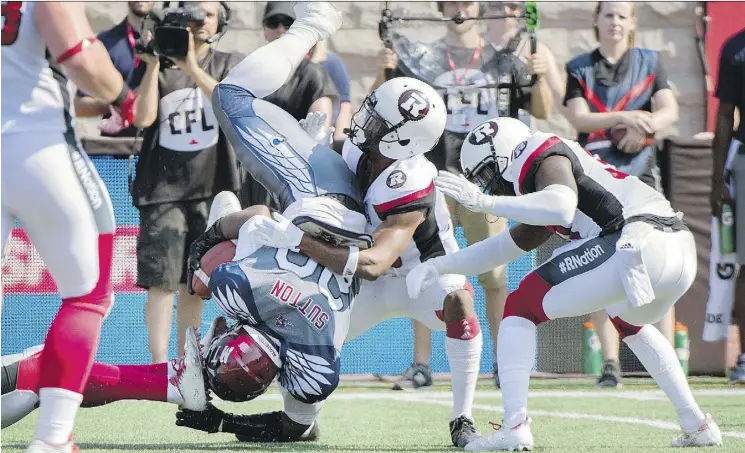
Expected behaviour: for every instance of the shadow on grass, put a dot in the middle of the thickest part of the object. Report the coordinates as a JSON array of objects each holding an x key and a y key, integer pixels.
[{"x": 233, "y": 446}]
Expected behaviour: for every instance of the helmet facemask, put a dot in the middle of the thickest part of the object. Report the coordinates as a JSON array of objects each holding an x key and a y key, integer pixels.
[
  {"x": 369, "y": 127},
  {"x": 488, "y": 175}
]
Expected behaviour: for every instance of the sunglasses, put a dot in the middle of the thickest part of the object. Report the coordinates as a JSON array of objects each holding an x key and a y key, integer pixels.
[{"x": 275, "y": 21}]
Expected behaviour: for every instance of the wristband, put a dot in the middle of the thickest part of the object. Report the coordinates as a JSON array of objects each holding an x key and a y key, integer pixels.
[
  {"x": 351, "y": 267},
  {"x": 124, "y": 95},
  {"x": 76, "y": 49}
]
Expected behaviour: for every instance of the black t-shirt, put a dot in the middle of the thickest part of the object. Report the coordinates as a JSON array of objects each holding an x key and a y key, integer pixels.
[
  {"x": 612, "y": 74},
  {"x": 309, "y": 83},
  {"x": 731, "y": 80},
  {"x": 458, "y": 73},
  {"x": 184, "y": 154}
]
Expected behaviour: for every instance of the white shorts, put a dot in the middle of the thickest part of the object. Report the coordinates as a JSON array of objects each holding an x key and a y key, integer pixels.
[
  {"x": 51, "y": 187},
  {"x": 388, "y": 298},
  {"x": 585, "y": 276}
]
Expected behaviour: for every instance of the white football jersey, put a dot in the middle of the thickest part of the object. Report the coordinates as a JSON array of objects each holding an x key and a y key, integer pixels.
[
  {"x": 406, "y": 185},
  {"x": 606, "y": 196},
  {"x": 34, "y": 97}
]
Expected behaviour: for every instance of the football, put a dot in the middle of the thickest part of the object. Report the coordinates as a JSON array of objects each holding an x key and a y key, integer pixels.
[
  {"x": 221, "y": 253},
  {"x": 619, "y": 132}
]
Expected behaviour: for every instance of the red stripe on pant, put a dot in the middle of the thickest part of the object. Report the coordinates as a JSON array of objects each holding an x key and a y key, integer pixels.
[
  {"x": 527, "y": 301},
  {"x": 106, "y": 383},
  {"x": 72, "y": 340}
]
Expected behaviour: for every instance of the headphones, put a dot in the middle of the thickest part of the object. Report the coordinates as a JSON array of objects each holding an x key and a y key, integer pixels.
[
  {"x": 223, "y": 16},
  {"x": 482, "y": 8}
]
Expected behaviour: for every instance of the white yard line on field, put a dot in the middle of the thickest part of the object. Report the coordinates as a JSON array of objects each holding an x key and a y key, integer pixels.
[{"x": 443, "y": 399}]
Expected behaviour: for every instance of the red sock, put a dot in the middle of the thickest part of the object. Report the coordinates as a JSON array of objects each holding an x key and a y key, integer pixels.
[
  {"x": 463, "y": 329},
  {"x": 109, "y": 383},
  {"x": 155, "y": 368},
  {"x": 72, "y": 341}
]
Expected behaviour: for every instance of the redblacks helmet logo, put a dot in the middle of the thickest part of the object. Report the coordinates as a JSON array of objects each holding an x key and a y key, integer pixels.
[{"x": 413, "y": 105}]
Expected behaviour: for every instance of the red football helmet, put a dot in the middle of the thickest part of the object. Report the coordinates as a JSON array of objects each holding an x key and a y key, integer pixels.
[{"x": 241, "y": 363}]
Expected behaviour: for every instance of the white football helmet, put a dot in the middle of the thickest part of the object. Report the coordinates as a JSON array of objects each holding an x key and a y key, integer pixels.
[
  {"x": 486, "y": 154},
  {"x": 405, "y": 116}
]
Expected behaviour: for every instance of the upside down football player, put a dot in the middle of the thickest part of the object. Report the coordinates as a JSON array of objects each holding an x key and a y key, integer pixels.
[
  {"x": 398, "y": 122},
  {"x": 628, "y": 253}
]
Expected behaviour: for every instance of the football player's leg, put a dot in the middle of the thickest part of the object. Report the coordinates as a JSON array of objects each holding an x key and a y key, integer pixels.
[
  {"x": 19, "y": 398},
  {"x": 267, "y": 140},
  {"x": 671, "y": 262},
  {"x": 69, "y": 218},
  {"x": 370, "y": 308},
  {"x": 449, "y": 305}
]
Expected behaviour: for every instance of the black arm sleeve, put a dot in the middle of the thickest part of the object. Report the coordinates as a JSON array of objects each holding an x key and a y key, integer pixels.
[
  {"x": 573, "y": 88},
  {"x": 265, "y": 427}
]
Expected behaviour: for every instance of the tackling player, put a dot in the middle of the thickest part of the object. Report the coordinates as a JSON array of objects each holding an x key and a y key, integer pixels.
[
  {"x": 50, "y": 186},
  {"x": 626, "y": 244},
  {"x": 398, "y": 122}
]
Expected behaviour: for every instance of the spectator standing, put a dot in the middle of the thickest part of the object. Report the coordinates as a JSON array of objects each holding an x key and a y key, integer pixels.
[
  {"x": 466, "y": 62},
  {"x": 620, "y": 87},
  {"x": 729, "y": 139},
  {"x": 120, "y": 43},
  {"x": 185, "y": 161},
  {"x": 309, "y": 89}
]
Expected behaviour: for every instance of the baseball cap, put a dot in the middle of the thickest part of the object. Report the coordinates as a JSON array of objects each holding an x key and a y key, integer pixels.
[{"x": 276, "y": 8}]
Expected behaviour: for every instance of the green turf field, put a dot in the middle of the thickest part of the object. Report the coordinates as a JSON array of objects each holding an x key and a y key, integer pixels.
[{"x": 568, "y": 416}]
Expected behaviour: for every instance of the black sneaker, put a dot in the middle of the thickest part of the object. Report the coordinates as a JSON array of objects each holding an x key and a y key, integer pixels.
[
  {"x": 416, "y": 376},
  {"x": 463, "y": 431},
  {"x": 738, "y": 373},
  {"x": 496, "y": 375},
  {"x": 611, "y": 376}
]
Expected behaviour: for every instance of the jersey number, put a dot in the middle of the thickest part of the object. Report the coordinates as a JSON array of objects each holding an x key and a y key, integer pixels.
[
  {"x": 338, "y": 292},
  {"x": 11, "y": 22}
]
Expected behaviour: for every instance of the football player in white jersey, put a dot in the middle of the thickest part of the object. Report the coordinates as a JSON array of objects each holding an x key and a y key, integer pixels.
[
  {"x": 400, "y": 121},
  {"x": 628, "y": 253},
  {"x": 50, "y": 186}
]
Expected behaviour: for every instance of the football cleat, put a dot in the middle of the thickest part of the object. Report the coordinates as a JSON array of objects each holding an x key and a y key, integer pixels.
[
  {"x": 706, "y": 435},
  {"x": 38, "y": 446},
  {"x": 462, "y": 431},
  {"x": 319, "y": 16},
  {"x": 519, "y": 438},
  {"x": 189, "y": 377},
  {"x": 738, "y": 373}
]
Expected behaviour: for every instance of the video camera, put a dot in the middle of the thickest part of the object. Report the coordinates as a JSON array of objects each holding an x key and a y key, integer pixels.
[{"x": 170, "y": 33}]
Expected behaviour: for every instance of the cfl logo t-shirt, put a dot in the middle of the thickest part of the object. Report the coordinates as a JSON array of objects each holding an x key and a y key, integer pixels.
[{"x": 187, "y": 120}]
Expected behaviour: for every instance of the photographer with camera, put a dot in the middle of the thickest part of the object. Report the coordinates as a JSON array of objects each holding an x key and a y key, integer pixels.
[{"x": 185, "y": 159}]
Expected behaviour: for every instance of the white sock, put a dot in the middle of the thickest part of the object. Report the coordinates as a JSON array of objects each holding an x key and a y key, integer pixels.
[
  {"x": 464, "y": 357},
  {"x": 173, "y": 394},
  {"x": 57, "y": 411},
  {"x": 515, "y": 359},
  {"x": 265, "y": 70},
  {"x": 659, "y": 358}
]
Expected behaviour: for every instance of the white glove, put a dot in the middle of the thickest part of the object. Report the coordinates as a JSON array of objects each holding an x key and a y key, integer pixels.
[
  {"x": 463, "y": 191},
  {"x": 277, "y": 232},
  {"x": 421, "y": 277},
  {"x": 315, "y": 126}
]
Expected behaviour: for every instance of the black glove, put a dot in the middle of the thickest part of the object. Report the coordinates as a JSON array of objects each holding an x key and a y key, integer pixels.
[
  {"x": 208, "y": 420},
  {"x": 199, "y": 247}
]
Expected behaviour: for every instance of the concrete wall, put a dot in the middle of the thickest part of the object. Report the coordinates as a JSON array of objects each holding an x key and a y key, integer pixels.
[{"x": 565, "y": 28}]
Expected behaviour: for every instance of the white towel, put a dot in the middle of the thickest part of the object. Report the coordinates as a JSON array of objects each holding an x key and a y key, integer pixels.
[
  {"x": 723, "y": 271},
  {"x": 632, "y": 270}
]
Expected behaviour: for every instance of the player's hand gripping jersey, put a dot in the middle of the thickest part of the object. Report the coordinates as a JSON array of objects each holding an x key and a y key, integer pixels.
[
  {"x": 607, "y": 198},
  {"x": 405, "y": 186}
]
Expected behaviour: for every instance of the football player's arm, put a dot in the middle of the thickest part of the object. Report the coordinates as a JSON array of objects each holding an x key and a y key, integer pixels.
[
  {"x": 665, "y": 110},
  {"x": 70, "y": 40},
  {"x": 391, "y": 238},
  {"x": 265, "y": 427},
  {"x": 87, "y": 106},
  {"x": 492, "y": 252}
]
